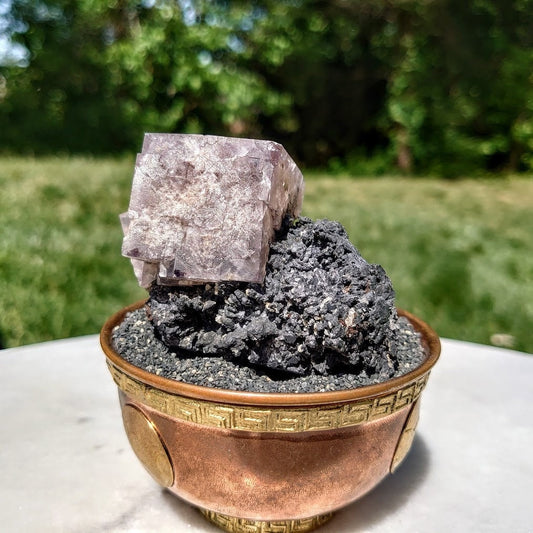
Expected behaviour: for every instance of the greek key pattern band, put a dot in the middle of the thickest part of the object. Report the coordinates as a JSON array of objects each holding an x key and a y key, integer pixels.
[
  {"x": 268, "y": 419},
  {"x": 240, "y": 525}
]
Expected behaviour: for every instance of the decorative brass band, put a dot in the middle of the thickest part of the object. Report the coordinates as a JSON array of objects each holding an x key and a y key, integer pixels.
[
  {"x": 269, "y": 419},
  {"x": 242, "y": 525}
]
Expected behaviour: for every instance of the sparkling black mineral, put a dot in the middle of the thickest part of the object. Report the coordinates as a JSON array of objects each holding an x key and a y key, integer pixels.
[{"x": 321, "y": 310}]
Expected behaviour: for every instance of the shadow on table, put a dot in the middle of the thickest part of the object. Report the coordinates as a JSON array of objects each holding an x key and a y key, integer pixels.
[{"x": 387, "y": 497}]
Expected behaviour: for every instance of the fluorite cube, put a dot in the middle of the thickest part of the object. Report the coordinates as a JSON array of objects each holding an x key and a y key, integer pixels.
[{"x": 205, "y": 208}]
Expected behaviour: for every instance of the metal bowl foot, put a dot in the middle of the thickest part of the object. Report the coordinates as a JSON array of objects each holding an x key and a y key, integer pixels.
[{"x": 243, "y": 525}]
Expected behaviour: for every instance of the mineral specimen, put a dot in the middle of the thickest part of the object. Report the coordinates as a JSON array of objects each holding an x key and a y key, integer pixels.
[
  {"x": 322, "y": 309},
  {"x": 205, "y": 208}
]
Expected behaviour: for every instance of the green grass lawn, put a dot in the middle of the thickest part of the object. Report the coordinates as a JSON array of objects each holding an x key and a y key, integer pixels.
[{"x": 459, "y": 253}]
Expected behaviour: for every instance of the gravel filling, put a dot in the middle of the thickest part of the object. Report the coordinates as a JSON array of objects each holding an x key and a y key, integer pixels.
[
  {"x": 135, "y": 340},
  {"x": 324, "y": 319}
]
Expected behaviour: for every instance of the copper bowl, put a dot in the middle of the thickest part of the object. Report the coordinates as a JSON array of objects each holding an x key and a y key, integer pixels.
[{"x": 268, "y": 462}]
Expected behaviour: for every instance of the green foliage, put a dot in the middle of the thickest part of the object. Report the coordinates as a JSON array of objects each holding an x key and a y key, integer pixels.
[
  {"x": 63, "y": 99},
  {"x": 102, "y": 74},
  {"x": 442, "y": 87},
  {"x": 189, "y": 75},
  {"x": 460, "y": 94},
  {"x": 459, "y": 254}
]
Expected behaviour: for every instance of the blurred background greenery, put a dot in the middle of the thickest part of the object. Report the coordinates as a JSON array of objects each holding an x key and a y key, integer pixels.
[
  {"x": 413, "y": 120},
  {"x": 439, "y": 86}
]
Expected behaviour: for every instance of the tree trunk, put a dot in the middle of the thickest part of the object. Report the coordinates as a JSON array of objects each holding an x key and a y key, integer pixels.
[{"x": 404, "y": 156}]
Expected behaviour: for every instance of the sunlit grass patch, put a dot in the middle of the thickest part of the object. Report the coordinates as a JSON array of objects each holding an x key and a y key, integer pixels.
[
  {"x": 60, "y": 266},
  {"x": 459, "y": 253}
]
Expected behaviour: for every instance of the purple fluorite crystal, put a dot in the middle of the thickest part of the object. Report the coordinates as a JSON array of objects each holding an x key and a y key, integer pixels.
[{"x": 205, "y": 208}]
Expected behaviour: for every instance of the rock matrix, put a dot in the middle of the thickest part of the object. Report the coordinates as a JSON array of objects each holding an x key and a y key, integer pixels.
[{"x": 322, "y": 309}]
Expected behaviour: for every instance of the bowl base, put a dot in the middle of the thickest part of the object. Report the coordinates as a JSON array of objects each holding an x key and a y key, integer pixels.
[{"x": 243, "y": 525}]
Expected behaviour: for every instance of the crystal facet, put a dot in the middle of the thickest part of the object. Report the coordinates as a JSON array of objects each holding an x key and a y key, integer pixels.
[{"x": 205, "y": 208}]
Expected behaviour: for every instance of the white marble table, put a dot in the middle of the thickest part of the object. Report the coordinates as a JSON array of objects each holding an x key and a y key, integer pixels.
[{"x": 66, "y": 465}]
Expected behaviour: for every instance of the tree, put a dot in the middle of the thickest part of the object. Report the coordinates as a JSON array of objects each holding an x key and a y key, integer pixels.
[
  {"x": 99, "y": 76},
  {"x": 439, "y": 86},
  {"x": 459, "y": 96},
  {"x": 60, "y": 101}
]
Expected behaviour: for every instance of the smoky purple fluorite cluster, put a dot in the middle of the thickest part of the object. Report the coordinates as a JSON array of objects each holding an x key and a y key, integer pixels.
[
  {"x": 238, "y": 281},
  {"x": 205, "y": 208}
]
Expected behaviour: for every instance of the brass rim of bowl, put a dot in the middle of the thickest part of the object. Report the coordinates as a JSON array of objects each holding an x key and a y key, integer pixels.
[{"x": 416, "y": 376}]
